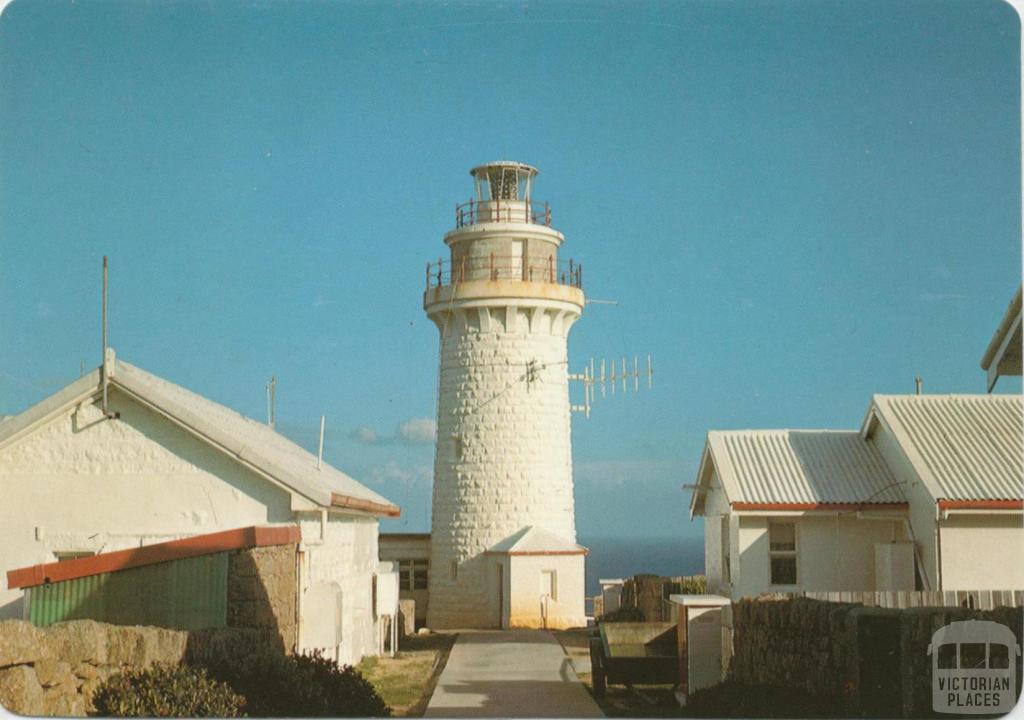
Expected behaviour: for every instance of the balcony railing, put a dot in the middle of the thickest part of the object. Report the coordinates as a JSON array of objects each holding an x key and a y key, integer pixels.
[
  {"x": 484, "y": 211},
  {"x": 504, "y": 267}
]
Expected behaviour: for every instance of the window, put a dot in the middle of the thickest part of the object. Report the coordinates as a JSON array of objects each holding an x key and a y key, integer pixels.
[
  {"x": 998, "y": 656},
  {"x": 62, "y": 555},
  {"x": 782, "y": 553},
  {"x": 453, "y": 570},
  {"x": 972, "y": 656},
  {"x": 456, "y": 448},
  {"x": 412, "y": 574},
  {"x": 549, "y": 584},
  {"x": 947, "y": 657}
]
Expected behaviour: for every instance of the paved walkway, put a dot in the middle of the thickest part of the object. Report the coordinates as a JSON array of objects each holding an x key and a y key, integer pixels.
[{"x": 510, "y": 673}]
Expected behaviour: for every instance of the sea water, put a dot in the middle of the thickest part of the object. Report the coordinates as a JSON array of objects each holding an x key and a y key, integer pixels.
[{"x": 624, "y": 557}]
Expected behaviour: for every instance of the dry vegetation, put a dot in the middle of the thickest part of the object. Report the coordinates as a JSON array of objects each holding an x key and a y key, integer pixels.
[{"x": 407, "y": 681}]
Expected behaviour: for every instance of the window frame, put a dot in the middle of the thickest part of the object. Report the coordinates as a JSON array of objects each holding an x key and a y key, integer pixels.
[{"x": 794, "y": 554}]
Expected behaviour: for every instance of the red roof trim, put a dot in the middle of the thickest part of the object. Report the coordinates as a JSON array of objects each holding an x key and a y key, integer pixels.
[
  {"x": 208, "y": 544},
  {"x": 981, "y": 504},
  {"x": 819, "y": 506},
  {"x": 376, "y": 508},
  {"x": 581, "y": 551}
]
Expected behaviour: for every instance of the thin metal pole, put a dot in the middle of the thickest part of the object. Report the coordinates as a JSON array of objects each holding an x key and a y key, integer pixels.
[
  {"x": 320, "y": 452},
  {"x": 103, "y": 357}
]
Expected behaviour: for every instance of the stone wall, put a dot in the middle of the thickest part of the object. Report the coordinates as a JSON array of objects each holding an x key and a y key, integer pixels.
[
  {"x": 874, "y": 661},
  {"x": 262, "y": 586},
  {"x": 56, "y": 670},
  {"x": 805, "y": 644}
]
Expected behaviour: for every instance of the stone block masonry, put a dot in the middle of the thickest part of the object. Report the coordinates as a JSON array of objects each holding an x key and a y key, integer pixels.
[
  {"x": 262, "y": 587},
  {"x": 875, "y": 660},
  {"x": 504, "y": 457},
  {"x": 56, "y": 670}
]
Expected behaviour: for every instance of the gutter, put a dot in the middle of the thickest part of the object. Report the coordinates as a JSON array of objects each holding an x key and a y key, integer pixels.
[{"x": 351, "y": 503}]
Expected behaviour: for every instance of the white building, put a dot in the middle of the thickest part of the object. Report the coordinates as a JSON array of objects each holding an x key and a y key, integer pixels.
[
  {"x": 928, "y": 495},
  {"x": 504, "y": 304},
  {"x": 411, "y": 554},
  {"x": 164, "y": 463}
]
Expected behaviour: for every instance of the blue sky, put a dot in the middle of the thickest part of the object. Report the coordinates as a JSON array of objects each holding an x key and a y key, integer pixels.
[{"x": 796, "y": 204}]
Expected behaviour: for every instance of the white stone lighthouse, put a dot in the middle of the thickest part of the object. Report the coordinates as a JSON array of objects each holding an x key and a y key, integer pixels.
[{"x": 503, "y": 549}]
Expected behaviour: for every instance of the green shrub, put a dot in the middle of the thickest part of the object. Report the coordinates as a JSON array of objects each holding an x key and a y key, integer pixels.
[
  {"x": 166, "y": 691},
  {"x": 301, "y": 686},
  {"x": 693, "y": 585}
]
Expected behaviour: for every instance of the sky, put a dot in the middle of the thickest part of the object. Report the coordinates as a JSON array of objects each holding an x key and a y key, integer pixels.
[{"x": 795, "y": 204}]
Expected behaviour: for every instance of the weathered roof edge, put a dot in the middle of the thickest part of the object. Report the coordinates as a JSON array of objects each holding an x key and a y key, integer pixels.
[
  {"x": 88, "y": 387},
  {"x": 999, "y": 338},
  {"x": 20, "y": 425}
]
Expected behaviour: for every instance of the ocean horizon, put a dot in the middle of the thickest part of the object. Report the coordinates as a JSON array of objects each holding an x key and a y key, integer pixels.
[{"x": 624, "y": 557}]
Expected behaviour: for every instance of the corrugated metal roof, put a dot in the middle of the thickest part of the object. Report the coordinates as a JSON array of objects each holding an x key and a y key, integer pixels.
[
  {"x": 964, "y": 447},
  {"x": 801, "y": 466},
  {"x": 260, "y": 444},
  {"x": 253, "y": 442}
]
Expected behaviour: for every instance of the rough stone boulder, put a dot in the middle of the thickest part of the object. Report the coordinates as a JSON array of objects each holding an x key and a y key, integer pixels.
[
  {"x": 76, "y": 641},
  {"x": 21, "y": 643},
  {"x": 20, "y": 691},
  {"x": 143, "y": 646},
  {"x": 50, "y": 672}
]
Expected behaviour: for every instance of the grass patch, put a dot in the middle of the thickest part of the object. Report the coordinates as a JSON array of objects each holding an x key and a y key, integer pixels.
[{"x": 407, "y": 681}]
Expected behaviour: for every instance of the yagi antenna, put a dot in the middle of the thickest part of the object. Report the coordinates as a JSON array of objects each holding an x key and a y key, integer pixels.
[{"x": 613, "y": 374}]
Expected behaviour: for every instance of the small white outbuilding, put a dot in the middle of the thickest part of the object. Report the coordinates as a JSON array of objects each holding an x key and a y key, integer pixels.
[{"x": 164, "y": 463}]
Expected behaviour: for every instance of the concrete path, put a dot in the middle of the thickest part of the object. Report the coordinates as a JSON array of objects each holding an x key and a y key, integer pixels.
[{"x": 510, "y": 673}]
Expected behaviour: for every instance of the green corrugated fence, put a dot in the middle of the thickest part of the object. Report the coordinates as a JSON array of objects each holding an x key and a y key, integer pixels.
[{"x": 186, "y": 594}]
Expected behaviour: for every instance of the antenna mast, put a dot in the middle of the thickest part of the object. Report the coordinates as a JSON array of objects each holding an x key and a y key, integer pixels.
[
  {"x": 103, "y": 356},
  {"x": 272, "y": 401},
  {"x": 320, "y": 452}
]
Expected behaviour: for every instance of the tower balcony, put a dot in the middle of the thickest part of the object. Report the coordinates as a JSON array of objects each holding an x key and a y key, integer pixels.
[
  {"x": 504, "y": 267},
  {"x": 476, "y": 212}
]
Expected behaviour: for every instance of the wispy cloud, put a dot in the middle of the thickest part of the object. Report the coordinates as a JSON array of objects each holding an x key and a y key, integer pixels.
[
  {"x": 417, "y": 431},
  {"x": 414, "y": 431},
  {"x": 394, "y": 473},
  {"x": 621, "y": 472}
]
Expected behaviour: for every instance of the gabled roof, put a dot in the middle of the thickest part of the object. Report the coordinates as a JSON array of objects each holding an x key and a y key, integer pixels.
[
  {"x": 249, "y": 442},
  {"x": 963, "y": 447},
  {"x": 534, "y": 540},
  {"x": 795, "y": 469}
]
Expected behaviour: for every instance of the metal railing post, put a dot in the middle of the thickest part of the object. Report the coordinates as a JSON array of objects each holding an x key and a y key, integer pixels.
[
  {"x": 428, "y": 276},
  {"x": 440, "y": 265}
]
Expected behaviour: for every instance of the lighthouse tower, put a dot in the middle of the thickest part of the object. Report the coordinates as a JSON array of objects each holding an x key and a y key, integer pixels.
[{"x": 503, "y": 549}]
